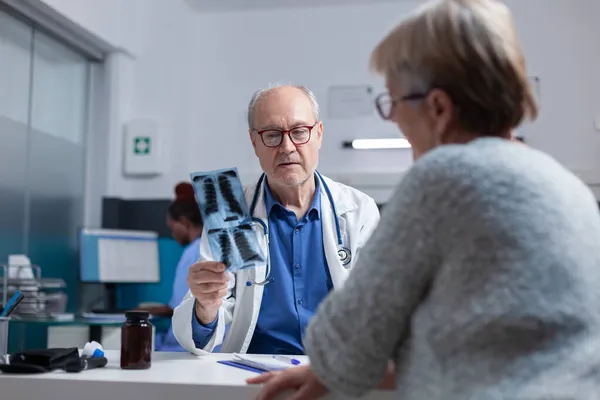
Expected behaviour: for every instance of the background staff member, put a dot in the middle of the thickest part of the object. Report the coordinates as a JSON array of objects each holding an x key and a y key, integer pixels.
[{"x": 185, "y": 222}]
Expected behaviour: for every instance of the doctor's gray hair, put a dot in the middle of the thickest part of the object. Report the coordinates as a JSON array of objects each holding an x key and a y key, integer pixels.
[{"x": 259, "y": 94}]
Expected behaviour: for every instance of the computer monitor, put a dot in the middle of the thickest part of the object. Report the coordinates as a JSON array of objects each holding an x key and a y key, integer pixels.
[{"x": 118, "y": 256}]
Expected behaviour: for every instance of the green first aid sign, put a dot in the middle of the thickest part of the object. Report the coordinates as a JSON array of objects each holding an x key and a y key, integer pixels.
[{"x": 141, "y": 145}]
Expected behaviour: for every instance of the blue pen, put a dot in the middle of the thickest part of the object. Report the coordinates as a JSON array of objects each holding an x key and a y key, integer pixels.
[
  {"x": 12, "y": 304},
  {"x": 287, "y": 360}
]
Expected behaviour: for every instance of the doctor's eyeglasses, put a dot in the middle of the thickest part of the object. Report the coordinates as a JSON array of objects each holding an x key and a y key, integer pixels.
[
  {"x": 298, "y": 135},
  {"x": 385, "y": 104}
]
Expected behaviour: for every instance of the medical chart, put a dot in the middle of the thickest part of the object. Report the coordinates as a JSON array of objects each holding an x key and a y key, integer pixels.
[{"x": 227, "y": 221}]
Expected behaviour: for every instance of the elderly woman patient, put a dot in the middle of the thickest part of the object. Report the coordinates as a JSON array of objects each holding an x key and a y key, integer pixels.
[{"x": 482, "y": 279}]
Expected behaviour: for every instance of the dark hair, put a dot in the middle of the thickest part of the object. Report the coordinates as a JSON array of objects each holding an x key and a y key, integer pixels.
[{"x": 184, "y": 205}]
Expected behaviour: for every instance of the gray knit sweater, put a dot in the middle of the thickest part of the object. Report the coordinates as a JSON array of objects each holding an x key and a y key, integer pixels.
[{"x": 482, "y": 281}]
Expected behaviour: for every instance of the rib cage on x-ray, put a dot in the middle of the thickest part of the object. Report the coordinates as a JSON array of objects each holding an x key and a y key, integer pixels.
[
  {"x": 226, "y": 248},
  {"x": 243, "y": 245},
  {"x": 210, "y": 197},
  {"x": 227, "y": 192},
  {"x": 226, "y": 218}
]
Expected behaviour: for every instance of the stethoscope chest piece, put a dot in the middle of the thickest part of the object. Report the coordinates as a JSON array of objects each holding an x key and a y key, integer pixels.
[{"x": 345, "y": 256}]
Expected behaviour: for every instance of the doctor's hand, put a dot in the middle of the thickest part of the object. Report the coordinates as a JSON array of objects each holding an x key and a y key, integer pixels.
[
  {"x": 301, "y": 379},
  {"x": 207, "y": 281}
]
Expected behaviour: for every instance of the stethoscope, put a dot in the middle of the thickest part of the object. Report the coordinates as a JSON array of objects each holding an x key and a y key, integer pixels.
[{"x": 343, "y": 252}]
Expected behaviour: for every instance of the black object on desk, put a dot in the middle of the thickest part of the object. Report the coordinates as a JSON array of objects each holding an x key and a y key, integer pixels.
[
  {"x": 40, "y": 361},
  {"x": 46, "y": 360},
  {"x": 86, "y": 363}
]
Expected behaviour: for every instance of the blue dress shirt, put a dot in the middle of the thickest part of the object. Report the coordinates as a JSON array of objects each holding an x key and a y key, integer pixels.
[
  {"x": 165, "y": 341},
  {"x": 299, "y": 281}
]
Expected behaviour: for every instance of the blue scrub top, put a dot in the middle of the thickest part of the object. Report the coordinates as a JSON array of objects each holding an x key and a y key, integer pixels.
[{"x": 166, "y": 341}]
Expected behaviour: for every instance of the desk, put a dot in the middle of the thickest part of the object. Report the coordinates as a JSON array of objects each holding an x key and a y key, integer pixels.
[{"x": 173, "y": 376}]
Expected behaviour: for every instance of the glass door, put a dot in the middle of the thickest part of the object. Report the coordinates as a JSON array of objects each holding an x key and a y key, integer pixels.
[
  {"x": 43, "y": 118},
  {"x": 16, "y": 40},
  {"x": 56, "y": 168}
]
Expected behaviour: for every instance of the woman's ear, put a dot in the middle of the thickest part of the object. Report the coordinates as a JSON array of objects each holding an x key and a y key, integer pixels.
[{"x": 440, "y": 110}]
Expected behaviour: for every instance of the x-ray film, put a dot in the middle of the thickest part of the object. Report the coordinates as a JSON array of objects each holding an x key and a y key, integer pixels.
[
  {"x": 234, "y": 247},
  {"x": 226, "y": 218}
]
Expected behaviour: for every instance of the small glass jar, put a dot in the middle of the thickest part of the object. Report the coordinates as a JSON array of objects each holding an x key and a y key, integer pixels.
[{"x": 136, "y": 341}]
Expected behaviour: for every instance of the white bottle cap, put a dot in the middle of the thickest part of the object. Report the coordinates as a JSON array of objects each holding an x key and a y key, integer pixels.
[{"x": 92, "y": 349}]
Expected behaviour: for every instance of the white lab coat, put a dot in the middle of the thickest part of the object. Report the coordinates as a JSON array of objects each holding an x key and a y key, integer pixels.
[{"x": 358, "y": 215}]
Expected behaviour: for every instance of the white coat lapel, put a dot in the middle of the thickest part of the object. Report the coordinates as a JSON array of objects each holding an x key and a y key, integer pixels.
[
  {"x": 248, "y": 298},
  {"x": 258, "y": 274},
  {"x": 330, "y": 245}
]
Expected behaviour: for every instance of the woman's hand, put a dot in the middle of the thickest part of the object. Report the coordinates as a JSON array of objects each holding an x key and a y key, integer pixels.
[
  {"x": 306, "y": 384},
  {"x": 301, "y": 379}
]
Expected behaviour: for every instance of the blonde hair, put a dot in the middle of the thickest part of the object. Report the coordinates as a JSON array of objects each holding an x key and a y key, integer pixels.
[{"x": 469, "y": 49}]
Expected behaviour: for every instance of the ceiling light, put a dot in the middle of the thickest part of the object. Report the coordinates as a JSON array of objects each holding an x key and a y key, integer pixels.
[{"x": 370, "y": 144}]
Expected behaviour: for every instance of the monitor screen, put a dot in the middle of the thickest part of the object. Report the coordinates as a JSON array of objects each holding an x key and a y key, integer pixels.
[{"x": 118, "y": 256}]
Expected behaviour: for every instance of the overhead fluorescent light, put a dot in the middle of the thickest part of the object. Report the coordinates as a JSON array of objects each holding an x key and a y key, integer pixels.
[{"x": 370, "y": 144}]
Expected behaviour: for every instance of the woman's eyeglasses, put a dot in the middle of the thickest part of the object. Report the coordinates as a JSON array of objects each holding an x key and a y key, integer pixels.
[{"x": 385, "y": 104}]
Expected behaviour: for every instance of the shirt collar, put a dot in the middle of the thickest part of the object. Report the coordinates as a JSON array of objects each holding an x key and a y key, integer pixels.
[{"x": 314, "y": 210}]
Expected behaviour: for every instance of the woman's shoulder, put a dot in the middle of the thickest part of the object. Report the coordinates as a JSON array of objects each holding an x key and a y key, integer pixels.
[
  {"x": 445, "y": 164},
  {"x": 484, "y": 167},
  {"x": 493, "y": 168},
  {"x": 475, "y": 152},
  {"x": 483, "y": 159}
]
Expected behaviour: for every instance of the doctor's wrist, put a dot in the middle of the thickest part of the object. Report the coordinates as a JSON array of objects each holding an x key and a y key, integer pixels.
[{"x": 203, "y": 316}]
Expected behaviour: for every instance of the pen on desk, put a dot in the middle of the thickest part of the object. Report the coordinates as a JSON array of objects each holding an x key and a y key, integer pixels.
[
  {"x": 287, "y": 360},
  {"x": 12, "y": 304}
]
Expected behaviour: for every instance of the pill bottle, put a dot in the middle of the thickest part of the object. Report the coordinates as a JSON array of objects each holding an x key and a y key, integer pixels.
[{"x": 136, "y": 341}]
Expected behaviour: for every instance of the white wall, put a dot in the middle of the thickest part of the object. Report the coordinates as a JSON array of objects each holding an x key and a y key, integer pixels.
[
  {"x": 119, "y": 22},
  {"x": 194, "y": 73},
  {"x": 206, "y": 71},
  {"x": 559, "y": 37},
  {"x": 318, "y": 48}
]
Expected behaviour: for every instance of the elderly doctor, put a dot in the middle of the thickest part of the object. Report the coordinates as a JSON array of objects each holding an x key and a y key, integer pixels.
[{"x": 316, "y": 228}]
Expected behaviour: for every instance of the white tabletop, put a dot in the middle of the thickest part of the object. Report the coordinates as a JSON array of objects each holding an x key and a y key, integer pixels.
[{"x": 173, "y": 376}]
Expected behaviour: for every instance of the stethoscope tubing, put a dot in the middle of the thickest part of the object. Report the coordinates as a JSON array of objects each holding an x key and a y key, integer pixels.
[{"x": 255, "y": 197}]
